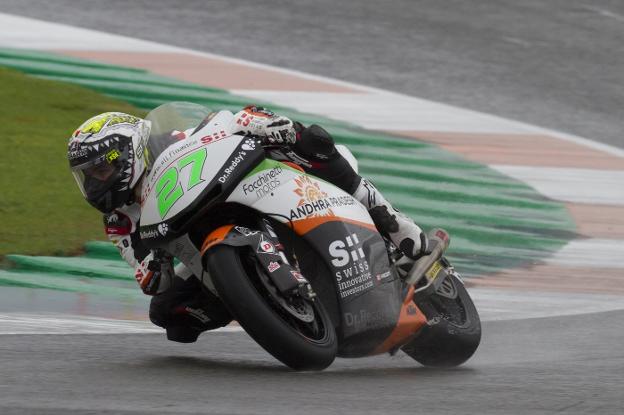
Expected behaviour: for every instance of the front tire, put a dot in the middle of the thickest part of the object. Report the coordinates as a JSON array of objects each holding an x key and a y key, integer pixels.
[
  {"x": 454, "y": 332},
  {"x": 234, "y": 274}
]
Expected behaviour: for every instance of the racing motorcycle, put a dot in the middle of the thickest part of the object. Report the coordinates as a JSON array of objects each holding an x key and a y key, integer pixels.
[{"x": 297, "y": 261}]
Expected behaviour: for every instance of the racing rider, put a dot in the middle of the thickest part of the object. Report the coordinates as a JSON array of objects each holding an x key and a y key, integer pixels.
[{"x": 108, "y": 162}]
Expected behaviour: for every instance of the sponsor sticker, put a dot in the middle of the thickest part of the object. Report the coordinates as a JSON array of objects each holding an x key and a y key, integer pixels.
[
  {"x": 249, "y": 145},
  {"x": 264, "y": 183},
  {"x": 383, "y": 276},
  {"x": 112, "y": 155},
  {"x": 232, "y": 167},
  {"x": 366, "y": 319},
  {"x": 152, "y": 233},
  {"x": 353, "y": 272},
  {"x": 112, "y": 218},
  {"x": 297, "y": 275},
  {"x": 433, "y": 272},
  {"x": 216, "y": 136},
  {"x": 265, "y": 247},
  {"x": 345, "y": 251},
  {"x": 312, "y": 199},
  {"x": 442, "y": 235},
  {"x": 273, "y": 266},
  {"x": 314, "y": 202},
  {"x": 163, "y": 228},
  {"x": 245, "y": 231},
  {"x": 76, "y": 151}
]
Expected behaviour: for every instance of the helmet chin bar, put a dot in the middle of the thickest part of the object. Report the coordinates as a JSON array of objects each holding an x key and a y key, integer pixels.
[
  {"x": 109, "y": 201},
  {"x": 113, "y": 196},
  {"x": 113, "y": 192}
]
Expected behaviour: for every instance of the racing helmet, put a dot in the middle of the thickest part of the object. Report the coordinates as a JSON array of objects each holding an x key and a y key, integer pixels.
[{"x": 107, "y": 156}]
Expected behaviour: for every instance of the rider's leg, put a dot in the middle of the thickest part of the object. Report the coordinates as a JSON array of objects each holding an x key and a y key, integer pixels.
[
  {"x": 186, "y": 310},
  {"x": 317, "y": 146},
  {"x": 399, "y": 228}
]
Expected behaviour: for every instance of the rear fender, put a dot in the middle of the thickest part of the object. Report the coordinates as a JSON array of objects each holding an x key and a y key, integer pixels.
[{"x": 286, "y": 278}]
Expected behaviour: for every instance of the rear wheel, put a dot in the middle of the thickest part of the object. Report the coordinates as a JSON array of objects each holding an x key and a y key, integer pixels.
[
  {"x": 454, "y": 330},
  {"x": 295, "y": 330}
]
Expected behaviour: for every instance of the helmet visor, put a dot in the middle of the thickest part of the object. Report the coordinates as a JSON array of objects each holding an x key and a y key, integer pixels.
[{"x": 96, "y": 177}]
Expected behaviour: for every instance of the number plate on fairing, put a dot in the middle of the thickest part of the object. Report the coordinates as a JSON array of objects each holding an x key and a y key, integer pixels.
[{"x": 180, "y": 175}]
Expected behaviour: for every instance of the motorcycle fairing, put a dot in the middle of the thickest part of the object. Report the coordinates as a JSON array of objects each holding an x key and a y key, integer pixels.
[
  {"x": 184, "y": 183},
  {"x": 318, "y": 211},
  {"x": 367, "y": 291},
  {"x": 275, "y": 188}
]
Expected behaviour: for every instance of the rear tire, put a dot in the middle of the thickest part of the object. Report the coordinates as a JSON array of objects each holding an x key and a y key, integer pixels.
[
  {"x": 455, "y": 330},
  {"x": 289, "y": 340}
]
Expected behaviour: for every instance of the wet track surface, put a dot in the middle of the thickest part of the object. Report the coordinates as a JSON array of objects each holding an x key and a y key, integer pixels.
[
  {"x": 531, "y": 367},
  {"x": 557, "y": 65}
]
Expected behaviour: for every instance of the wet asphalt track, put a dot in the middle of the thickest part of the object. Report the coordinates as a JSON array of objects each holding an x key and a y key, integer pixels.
[
  {"x": 557, "y": 64},
  {"x": 537, "y": 366}
]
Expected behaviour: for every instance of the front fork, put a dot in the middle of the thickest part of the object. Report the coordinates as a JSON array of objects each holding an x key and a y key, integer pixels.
[
  {"x": 266, "y": 226},
  {"x": 269, "y": 253},
  {"x": 304, "y": 289}
]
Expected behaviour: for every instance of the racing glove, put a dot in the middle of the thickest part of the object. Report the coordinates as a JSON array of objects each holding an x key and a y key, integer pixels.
[
  {"x": 149, "y": 272},
  {"x": 265, "y": 124}
]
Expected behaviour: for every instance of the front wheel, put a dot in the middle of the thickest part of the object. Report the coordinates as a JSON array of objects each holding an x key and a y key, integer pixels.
[
  {"x": 453, "y": 332},
  {"x": 306, "y": 343}
]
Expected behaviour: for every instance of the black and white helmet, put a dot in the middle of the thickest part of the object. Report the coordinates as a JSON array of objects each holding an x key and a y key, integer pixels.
[{"x": 107, "y": 156}]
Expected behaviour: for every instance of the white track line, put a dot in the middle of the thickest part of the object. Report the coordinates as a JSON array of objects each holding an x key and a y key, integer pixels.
[
  {"x": 384, "y": 111},
  {"x": 493, "y": 305},
  {"x": 27, "y": 323},
  {"x": 594, "y": 253},
  {"x": 500, "y": 305},
  {"x": 571, "y": 184}
]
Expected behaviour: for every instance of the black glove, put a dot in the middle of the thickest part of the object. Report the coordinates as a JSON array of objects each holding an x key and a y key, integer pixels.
[{"x": 149, "y": 272}]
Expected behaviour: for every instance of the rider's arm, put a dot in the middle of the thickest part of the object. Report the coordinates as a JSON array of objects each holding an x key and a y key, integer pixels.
[
  {"x": 123, "y": 232},
  {"x": 119, "y": 228}
]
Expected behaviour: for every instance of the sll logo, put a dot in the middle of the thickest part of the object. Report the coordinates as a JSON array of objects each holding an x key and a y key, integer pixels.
[{"x": 344, "y": 252}]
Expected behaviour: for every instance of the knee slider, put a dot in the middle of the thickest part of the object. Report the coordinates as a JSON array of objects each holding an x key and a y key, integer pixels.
[
  {"x": 159, "y": 312},
  {"x": 182, "y": 334}
]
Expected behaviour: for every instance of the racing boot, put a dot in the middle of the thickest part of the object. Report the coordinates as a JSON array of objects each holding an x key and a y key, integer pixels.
[
  {"x": 394, "y": 225},
  {"x": 186, "y": 310}
]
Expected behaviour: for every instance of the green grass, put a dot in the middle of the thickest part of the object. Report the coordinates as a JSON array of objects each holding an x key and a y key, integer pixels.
[{"x": 41, "y": 209}]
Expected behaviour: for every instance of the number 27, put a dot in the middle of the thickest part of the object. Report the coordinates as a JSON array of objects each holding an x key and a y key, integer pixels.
[{"x": 169, "y": 189}]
